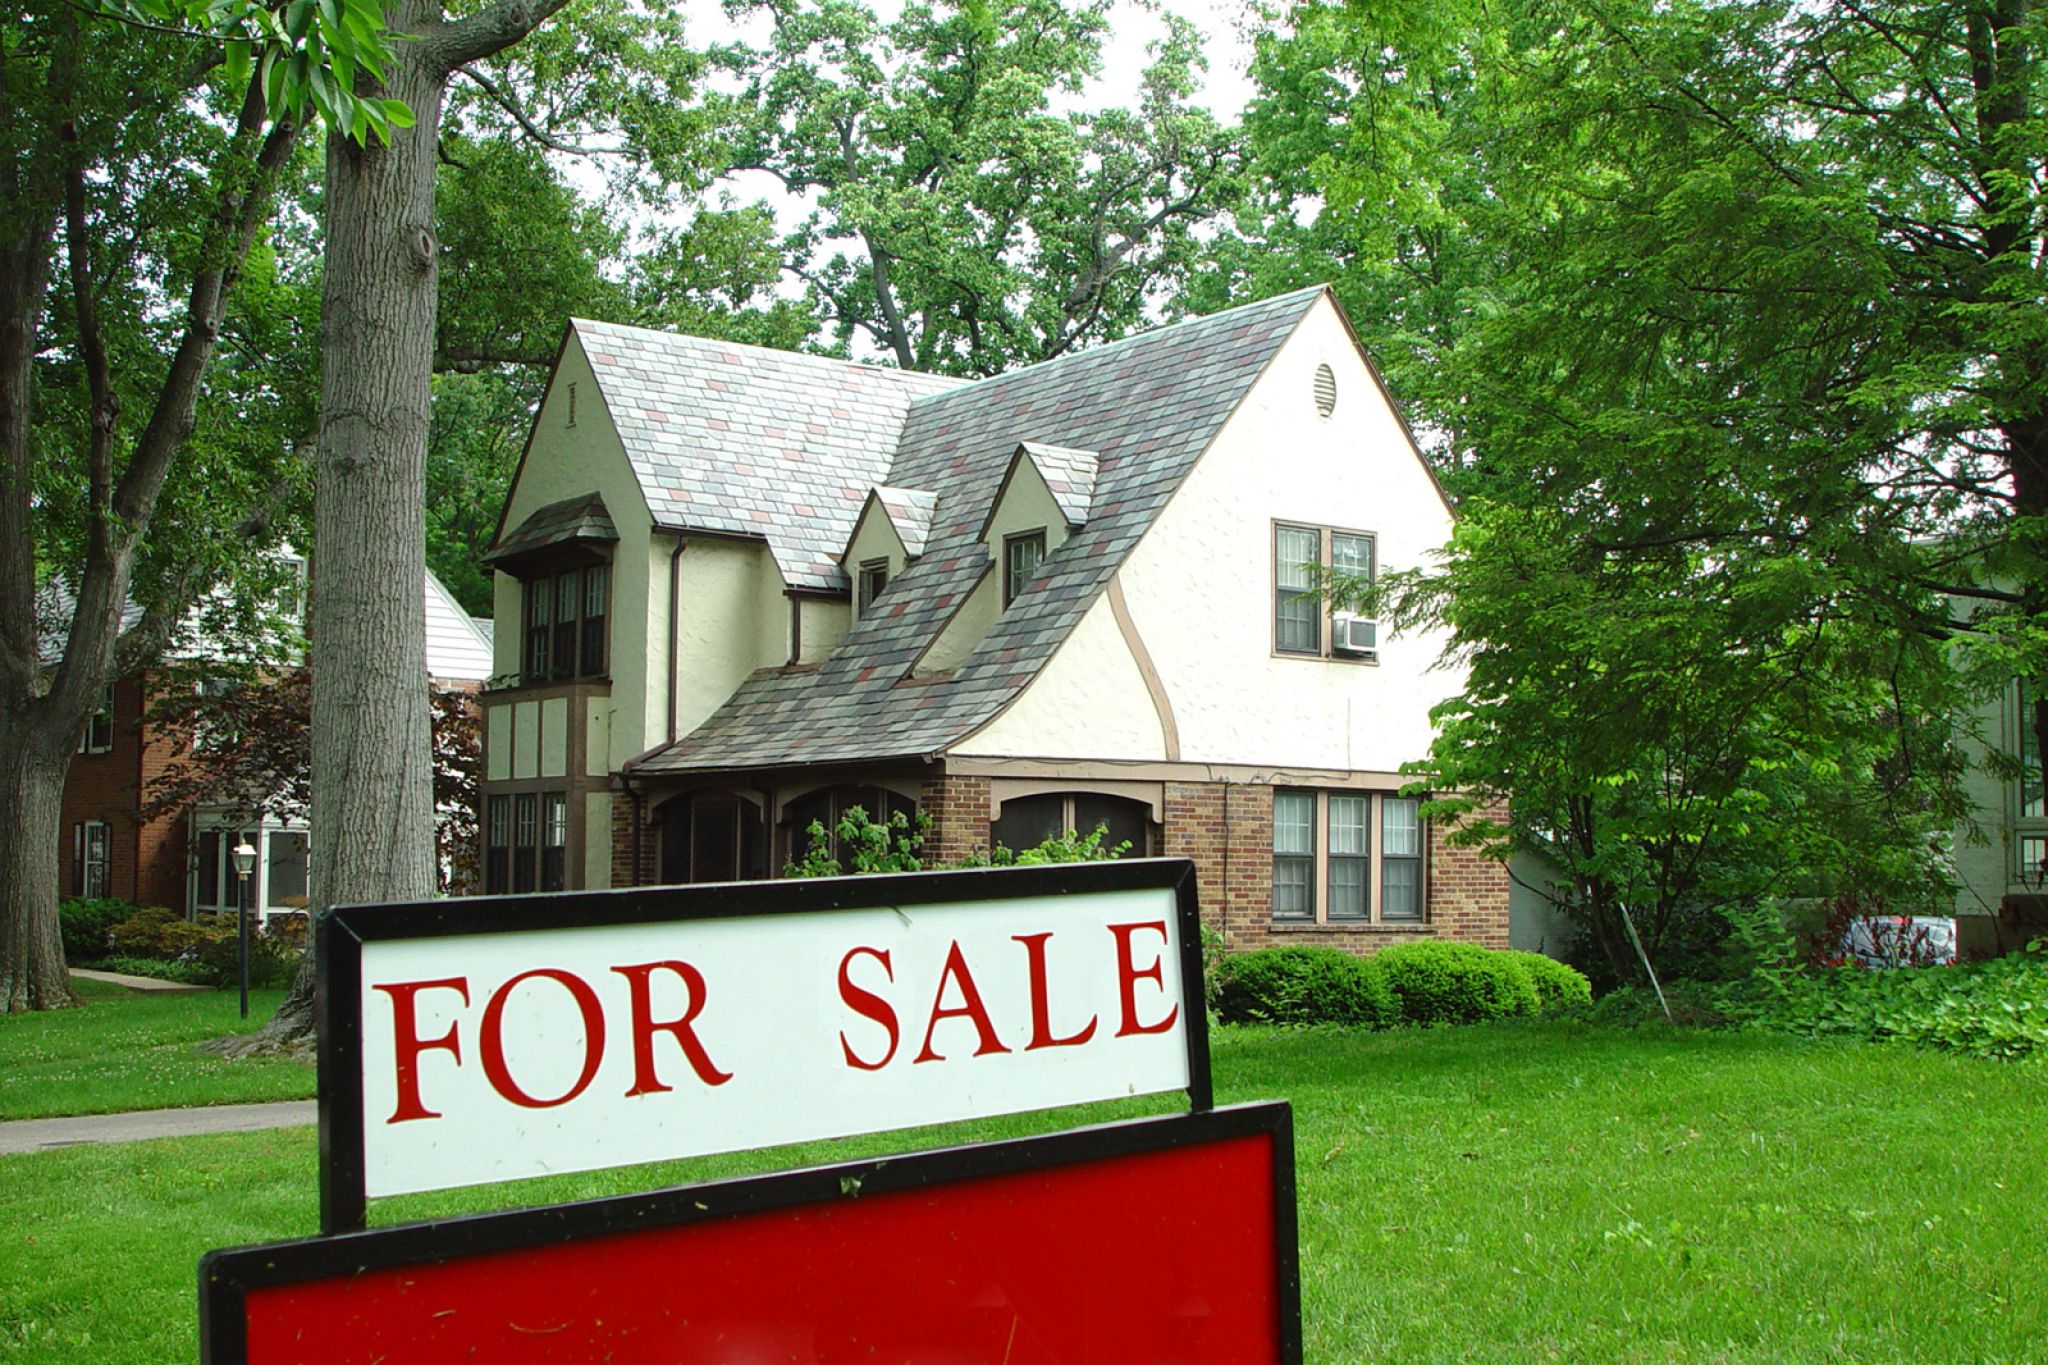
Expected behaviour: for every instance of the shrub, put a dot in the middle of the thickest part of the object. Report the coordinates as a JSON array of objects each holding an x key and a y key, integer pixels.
[
  {"x": 204, "y": 949},
  {"x": 1559, "y": 989},
  {"x": 1996, "y": 1009},
  {"x": 185, "y": 973},
  {"x": 1457, "y": 983},
  {"x": 1304, "y": 986},
  {"x": 86, "y": 925}
]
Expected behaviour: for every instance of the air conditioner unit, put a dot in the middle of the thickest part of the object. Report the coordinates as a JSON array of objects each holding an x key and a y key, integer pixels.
[{"x": 1354, "y": 636}]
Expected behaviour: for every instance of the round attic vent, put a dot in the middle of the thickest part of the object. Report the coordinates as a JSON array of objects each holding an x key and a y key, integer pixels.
[{"x": 1326, "y": 390}]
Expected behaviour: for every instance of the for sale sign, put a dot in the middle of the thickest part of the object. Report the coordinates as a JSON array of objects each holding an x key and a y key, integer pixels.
[{"x": 496, "y": 1039}]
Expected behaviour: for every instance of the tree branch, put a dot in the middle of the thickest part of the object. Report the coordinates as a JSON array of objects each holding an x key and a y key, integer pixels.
[
  {"x": 450, "y": 46},
  {"x": 503, "y": 98}
]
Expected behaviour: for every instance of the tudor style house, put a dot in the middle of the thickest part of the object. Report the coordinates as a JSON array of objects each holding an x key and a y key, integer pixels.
[{"x": 739, "y": 590}]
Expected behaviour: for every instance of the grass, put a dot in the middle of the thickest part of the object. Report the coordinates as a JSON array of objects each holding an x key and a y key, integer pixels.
[
  {"x": 126, "y": 1049},
  {"x": 1517, "y": 1192}
]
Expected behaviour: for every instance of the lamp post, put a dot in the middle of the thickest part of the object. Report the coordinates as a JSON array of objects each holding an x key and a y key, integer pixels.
[{"x": 245, "y": 863}]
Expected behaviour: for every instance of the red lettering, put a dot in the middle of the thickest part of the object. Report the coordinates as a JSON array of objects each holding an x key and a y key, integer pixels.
[
  {"x": 1041, "y": 1006},
  {"x": 491, "y": 1041},
  {"x": 970, "y": 1008},
  {"x": 1128, "y": 975},
  {"x": 868, "y": 1005},
  {"x": 407, "y": 1045},
  {"x": 645, "y": 1081}
]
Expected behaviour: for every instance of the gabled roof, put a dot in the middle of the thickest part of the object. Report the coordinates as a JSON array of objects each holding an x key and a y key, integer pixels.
[
  {"x": 581, "y": 518},
  {"x": 741, "y": 440},
  {"x": 910, "y": 512},
  {"x": 456, "y": 650},
  {"x": 1069, "y": 473},
  {"x": 1149, "y": 406}
]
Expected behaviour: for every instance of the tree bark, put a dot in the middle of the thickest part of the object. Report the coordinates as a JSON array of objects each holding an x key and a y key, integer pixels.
[
  {"x": 32, "y": 766},
  {"x": 373, "y": 808}
]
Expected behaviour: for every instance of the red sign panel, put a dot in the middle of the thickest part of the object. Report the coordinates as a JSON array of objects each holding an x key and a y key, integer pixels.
[{"x": 1159, "y": 1240}]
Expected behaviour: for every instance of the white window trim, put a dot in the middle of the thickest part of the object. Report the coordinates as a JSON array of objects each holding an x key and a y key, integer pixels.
[{"x": 1375, "y": 866}]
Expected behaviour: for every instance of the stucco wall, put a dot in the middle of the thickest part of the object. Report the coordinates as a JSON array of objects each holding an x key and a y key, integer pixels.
[
  {"x": 734, "y": 620},
  {"x": 1199, "y": 587},
  {"x": 874, "y": 537},
  {"x": 565, "y": 461}
]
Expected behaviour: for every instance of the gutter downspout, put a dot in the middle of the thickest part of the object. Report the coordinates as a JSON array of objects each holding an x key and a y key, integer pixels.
[{"x": 675, "y": 626}]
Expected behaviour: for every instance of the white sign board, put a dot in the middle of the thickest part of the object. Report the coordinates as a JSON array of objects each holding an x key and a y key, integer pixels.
[{"x": 500, "y": 1054}]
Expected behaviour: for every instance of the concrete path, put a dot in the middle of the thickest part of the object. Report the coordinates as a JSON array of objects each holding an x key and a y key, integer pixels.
[
  {"x": 41, "y": 1135},
  {"x": 135, "y": 983}
]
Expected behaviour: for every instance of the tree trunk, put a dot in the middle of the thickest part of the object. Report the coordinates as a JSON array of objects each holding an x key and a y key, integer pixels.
[{"x": 32, "y": 765}]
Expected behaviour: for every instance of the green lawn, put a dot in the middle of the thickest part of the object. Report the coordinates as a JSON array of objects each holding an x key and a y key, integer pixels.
[
  {"x": 127, "y": 1049},
  {"x": 1512, "y": 1193}
]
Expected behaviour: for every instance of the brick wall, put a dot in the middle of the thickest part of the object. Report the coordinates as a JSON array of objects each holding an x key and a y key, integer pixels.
[
  {"x": 1227, "y": 830},
  {"x": 624, "y": 873},
  {"x": 958, "y": 807},
  {"x": 146, "y": 859}
]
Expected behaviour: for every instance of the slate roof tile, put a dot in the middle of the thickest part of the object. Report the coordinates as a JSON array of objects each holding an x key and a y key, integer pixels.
[{"x": 1146, "y": 408}]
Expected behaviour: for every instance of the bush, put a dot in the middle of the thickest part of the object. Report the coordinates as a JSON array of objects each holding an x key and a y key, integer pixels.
[
  {"x": 1304, "y": 986},
  {"x": 205, "y": 948},
  {"x": 1559, "y": 989},
  {"x": 186, "y": 973},
  {"x": 86, "y": 925},
  {"x": 1458, "y": 983},
  {"x": 1996, "y": 1009}
]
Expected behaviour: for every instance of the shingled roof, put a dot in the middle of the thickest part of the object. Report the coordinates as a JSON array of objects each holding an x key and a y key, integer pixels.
[
  {"x": 1148, "y": 406},
  {"x": 910, "y": 511},
  {"x": 747, "y": 441},
  {"x": 1068, "y": 474},
  {"x": 583, "y": 518}
]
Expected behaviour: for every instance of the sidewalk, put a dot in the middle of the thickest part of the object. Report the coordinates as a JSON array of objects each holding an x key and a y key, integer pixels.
[
  {"x": 134, "y": 983},
  {"x": 41, "y": 1135}
]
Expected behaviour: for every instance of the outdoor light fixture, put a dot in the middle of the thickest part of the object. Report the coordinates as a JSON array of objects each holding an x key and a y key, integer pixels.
[{"x": 245, "y": 863}]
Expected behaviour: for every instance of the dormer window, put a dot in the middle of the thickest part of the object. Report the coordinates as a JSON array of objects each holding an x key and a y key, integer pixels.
[
  {"x": 874, "y": 576},
  {"x": 1022, "y": 554}
]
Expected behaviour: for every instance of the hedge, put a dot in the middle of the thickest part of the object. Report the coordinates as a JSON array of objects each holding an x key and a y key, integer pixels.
[{"x": 1304, "y": 986}]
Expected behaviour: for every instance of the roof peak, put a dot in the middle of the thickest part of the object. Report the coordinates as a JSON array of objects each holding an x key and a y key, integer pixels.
[{"x": 939, "y": 381}]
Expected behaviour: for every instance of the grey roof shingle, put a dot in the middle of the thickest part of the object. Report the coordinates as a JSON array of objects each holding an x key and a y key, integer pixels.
[
  {"x": 1148, "y": 406},
  {"x": 747, "y": 441},
  {"x": 1070, "y": 474},
  {"x": 910, "y": 512},
  {"x": 579, "y": 518}
]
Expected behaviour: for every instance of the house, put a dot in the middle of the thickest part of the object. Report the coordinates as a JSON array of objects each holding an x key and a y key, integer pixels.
[
  {"x": 184, "y": 860},
  {"x": 2001, "y": 898},
  {"x": 739, "y": 590}
]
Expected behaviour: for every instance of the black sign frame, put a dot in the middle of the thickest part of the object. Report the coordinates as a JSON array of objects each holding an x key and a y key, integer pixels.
[{"x": 340, "y": 933}]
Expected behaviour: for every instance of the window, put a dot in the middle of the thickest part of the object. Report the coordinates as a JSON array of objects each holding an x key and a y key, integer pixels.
[
  {"x": 565, "y": 623},
  {"x": 1022, "y": 554},
  {"x": 2030, "y": 840},
  {"x": 716, "y": 836},
  {"x": 1324, "y": 844},
  {"x": 554, "y": 840},
  {"x": 285, "y": 882},
  {"x": 525, "y": 840},
  {"x": 1294, "y": 855},
  {"x": 498, "y": 846},
  {"x": 92, "y": 849},
  {"x": 1300, "y": 555},
  {"x": 99, "y": 731},
  {"x": 874, "y": 576},
  {"x": 1028, "y": 821},
  {"x": 1400, "y": 860},
  {"x": 596, "y": 596}
]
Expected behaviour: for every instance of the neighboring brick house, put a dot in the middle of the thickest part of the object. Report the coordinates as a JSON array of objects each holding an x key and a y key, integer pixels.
[
  {"x": 183, "y": 860},
  {"x": 741, "y": 589}
]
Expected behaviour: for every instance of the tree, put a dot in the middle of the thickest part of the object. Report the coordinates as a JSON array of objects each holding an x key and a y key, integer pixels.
[
  {"x": 961, "y": 224},
  {"x": 249, "y": 747},
  {"x": 143, "y": 149},
  {"x": 1739, "y": 307}
]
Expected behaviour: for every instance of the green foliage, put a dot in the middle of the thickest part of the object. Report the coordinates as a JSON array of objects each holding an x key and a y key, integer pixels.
[
  {"x": 1458, "y": 983},
  {"x": 963, "y": 221},
  {"x": 868, "y": 845},
  {"x": 1304, "y": 986},
  {"x": 87, "y": 925},
  {"x": 185, "y": 973},
  {"x": 1559, "y": 989},
  {"x": 1065, "y": 847},
  {"x": 1996, "y": 1009},
  {"x": 201, "y": 951}
]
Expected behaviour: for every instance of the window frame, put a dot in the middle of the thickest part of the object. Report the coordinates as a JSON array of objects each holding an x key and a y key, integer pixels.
[
  {"x": 1373, "y": 862},
  {"x": 90, "y": 876},
  {"x": 1011, "y": 543},
  {"x": 1070, "y": 799},
  {"x": 1326, "y": 538},
  {"x": 99, "y": 727},
  {"x": 564, "y": 636},
  {"x": 874, "y": 571},
  {"x": 2027, "y": 829}
]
